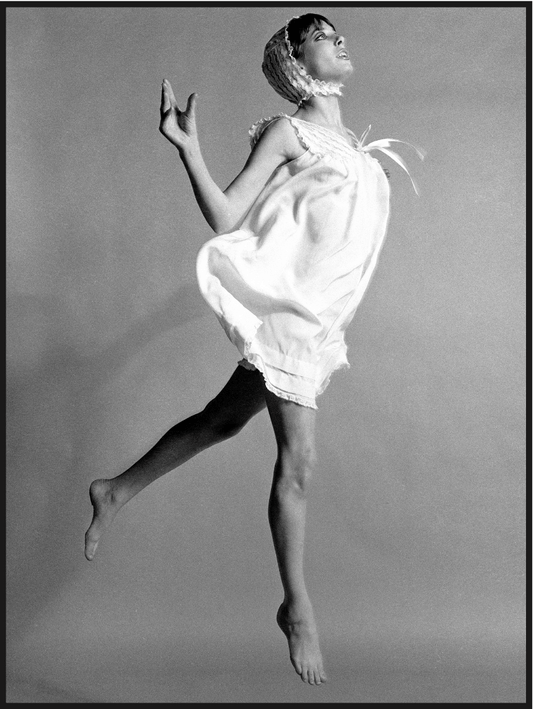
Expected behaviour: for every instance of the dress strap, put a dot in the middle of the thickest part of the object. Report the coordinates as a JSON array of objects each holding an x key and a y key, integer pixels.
[
  {"x": 257, "y": 129},
  {"x": 383, "y": 145}
]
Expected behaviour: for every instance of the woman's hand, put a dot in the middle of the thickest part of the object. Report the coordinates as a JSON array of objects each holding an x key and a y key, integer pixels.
[{"x": 179, "y": 127}]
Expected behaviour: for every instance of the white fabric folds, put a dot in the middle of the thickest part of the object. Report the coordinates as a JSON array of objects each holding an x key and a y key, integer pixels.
[{"x": 287, "y": 282}]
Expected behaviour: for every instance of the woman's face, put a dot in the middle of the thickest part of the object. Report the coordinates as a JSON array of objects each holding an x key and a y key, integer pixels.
[{"x": 323, "y": 54}]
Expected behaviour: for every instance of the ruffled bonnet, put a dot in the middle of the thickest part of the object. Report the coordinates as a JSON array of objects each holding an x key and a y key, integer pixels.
[{"x": 286, "y": 76}]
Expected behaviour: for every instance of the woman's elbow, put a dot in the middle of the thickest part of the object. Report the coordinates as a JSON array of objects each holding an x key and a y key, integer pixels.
[{"x": 226, "y": 224}]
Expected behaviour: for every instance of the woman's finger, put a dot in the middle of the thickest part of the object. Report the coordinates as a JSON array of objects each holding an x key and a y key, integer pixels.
[
  {"x": 171, "y": 96},
  {"x": 191, "y": 105},
  {"x": 165, "y": 101}
]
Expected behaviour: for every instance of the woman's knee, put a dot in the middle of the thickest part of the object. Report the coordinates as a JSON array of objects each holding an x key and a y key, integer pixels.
[{"x": 296, "y": 465}]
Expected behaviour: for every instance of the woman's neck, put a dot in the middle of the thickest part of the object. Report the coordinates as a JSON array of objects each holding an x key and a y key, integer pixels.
[{"x": 324, "y": 110}]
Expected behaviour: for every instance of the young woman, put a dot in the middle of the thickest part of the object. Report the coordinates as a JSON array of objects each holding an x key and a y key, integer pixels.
[{"x": 300, "y": 230}]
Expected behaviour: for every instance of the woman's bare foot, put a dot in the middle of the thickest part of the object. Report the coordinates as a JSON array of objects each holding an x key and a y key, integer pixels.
[
  {"x": 105, "y": 507},
  {"x": 298, "y": 624}
]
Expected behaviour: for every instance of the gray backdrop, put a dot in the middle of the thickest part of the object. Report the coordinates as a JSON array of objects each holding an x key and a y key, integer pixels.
[{"x": 415, "y": 533}]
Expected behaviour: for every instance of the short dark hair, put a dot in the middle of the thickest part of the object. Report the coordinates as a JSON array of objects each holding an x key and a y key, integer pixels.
[{"x": 299, "y": 28}]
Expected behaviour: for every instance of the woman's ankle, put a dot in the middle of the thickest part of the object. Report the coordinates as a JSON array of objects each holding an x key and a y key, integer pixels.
[{"x": 297, "y": 602}]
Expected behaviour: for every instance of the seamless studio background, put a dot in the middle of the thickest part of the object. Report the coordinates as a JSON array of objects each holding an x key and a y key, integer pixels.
[{"x": 415, "y": 547}]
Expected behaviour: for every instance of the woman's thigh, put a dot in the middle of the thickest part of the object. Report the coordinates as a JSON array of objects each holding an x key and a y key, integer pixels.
[
  {"x": 240, "y": 399},
  {"x": 294, "y": 425}
]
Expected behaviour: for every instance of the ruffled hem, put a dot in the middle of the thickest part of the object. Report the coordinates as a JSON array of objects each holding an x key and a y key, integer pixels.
[
  {"x": 343, "y": 364},
  {"x": 256, "y": 361}
]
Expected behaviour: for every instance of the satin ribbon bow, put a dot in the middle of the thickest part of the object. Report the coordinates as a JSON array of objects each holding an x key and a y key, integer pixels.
[{"x": 384, "y": 144}]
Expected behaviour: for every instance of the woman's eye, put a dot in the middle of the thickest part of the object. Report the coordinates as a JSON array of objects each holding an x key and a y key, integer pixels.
[{"x": 320, "y": 36}]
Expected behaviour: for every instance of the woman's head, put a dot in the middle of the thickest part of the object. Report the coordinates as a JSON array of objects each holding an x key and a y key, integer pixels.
[
  {"x": 306, "y": 58},
  {"x": 299, "y": 27}
]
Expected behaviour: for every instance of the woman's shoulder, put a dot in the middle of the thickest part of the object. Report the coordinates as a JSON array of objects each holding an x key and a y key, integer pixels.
[
  {"x": 288, "y": 131},
  {"x": 280, "y": 124},
  {"x": 277, "y": 134}
]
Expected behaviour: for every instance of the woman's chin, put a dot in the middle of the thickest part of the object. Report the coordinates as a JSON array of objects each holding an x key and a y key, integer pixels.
[
  {"x": 340, "y": 76},
  {"x": 348, "y": 69}
]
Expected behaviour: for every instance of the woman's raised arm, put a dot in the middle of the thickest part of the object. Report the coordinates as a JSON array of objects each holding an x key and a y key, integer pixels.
[{"x": 224, "y": 209}]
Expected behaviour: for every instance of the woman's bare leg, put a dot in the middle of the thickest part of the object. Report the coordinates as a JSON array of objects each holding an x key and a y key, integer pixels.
[
  {"x": 294, "y": 427},
  {"x": 223, "y": 417}
]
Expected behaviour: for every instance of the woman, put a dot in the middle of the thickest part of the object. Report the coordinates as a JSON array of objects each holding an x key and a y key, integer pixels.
[{"x": 300, "y": 229}]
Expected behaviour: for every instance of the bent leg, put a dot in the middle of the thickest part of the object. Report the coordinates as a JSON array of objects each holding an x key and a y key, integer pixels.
[
  {"x": 294, "y": 427},
  {"x": 223, "y": 417}
]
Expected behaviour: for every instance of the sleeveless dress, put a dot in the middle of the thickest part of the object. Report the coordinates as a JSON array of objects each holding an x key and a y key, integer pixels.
[{"x": 287, "y": 282}]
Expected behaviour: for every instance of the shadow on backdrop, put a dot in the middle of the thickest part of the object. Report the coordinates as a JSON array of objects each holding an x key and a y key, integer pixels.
[{"x": 60, "y": 400}]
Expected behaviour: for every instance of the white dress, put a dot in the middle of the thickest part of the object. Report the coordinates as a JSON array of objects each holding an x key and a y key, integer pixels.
[{"x": 287, "y": 282}]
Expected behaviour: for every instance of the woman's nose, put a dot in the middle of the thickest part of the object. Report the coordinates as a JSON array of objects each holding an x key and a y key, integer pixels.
[{"x": 339, "y": 40}]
